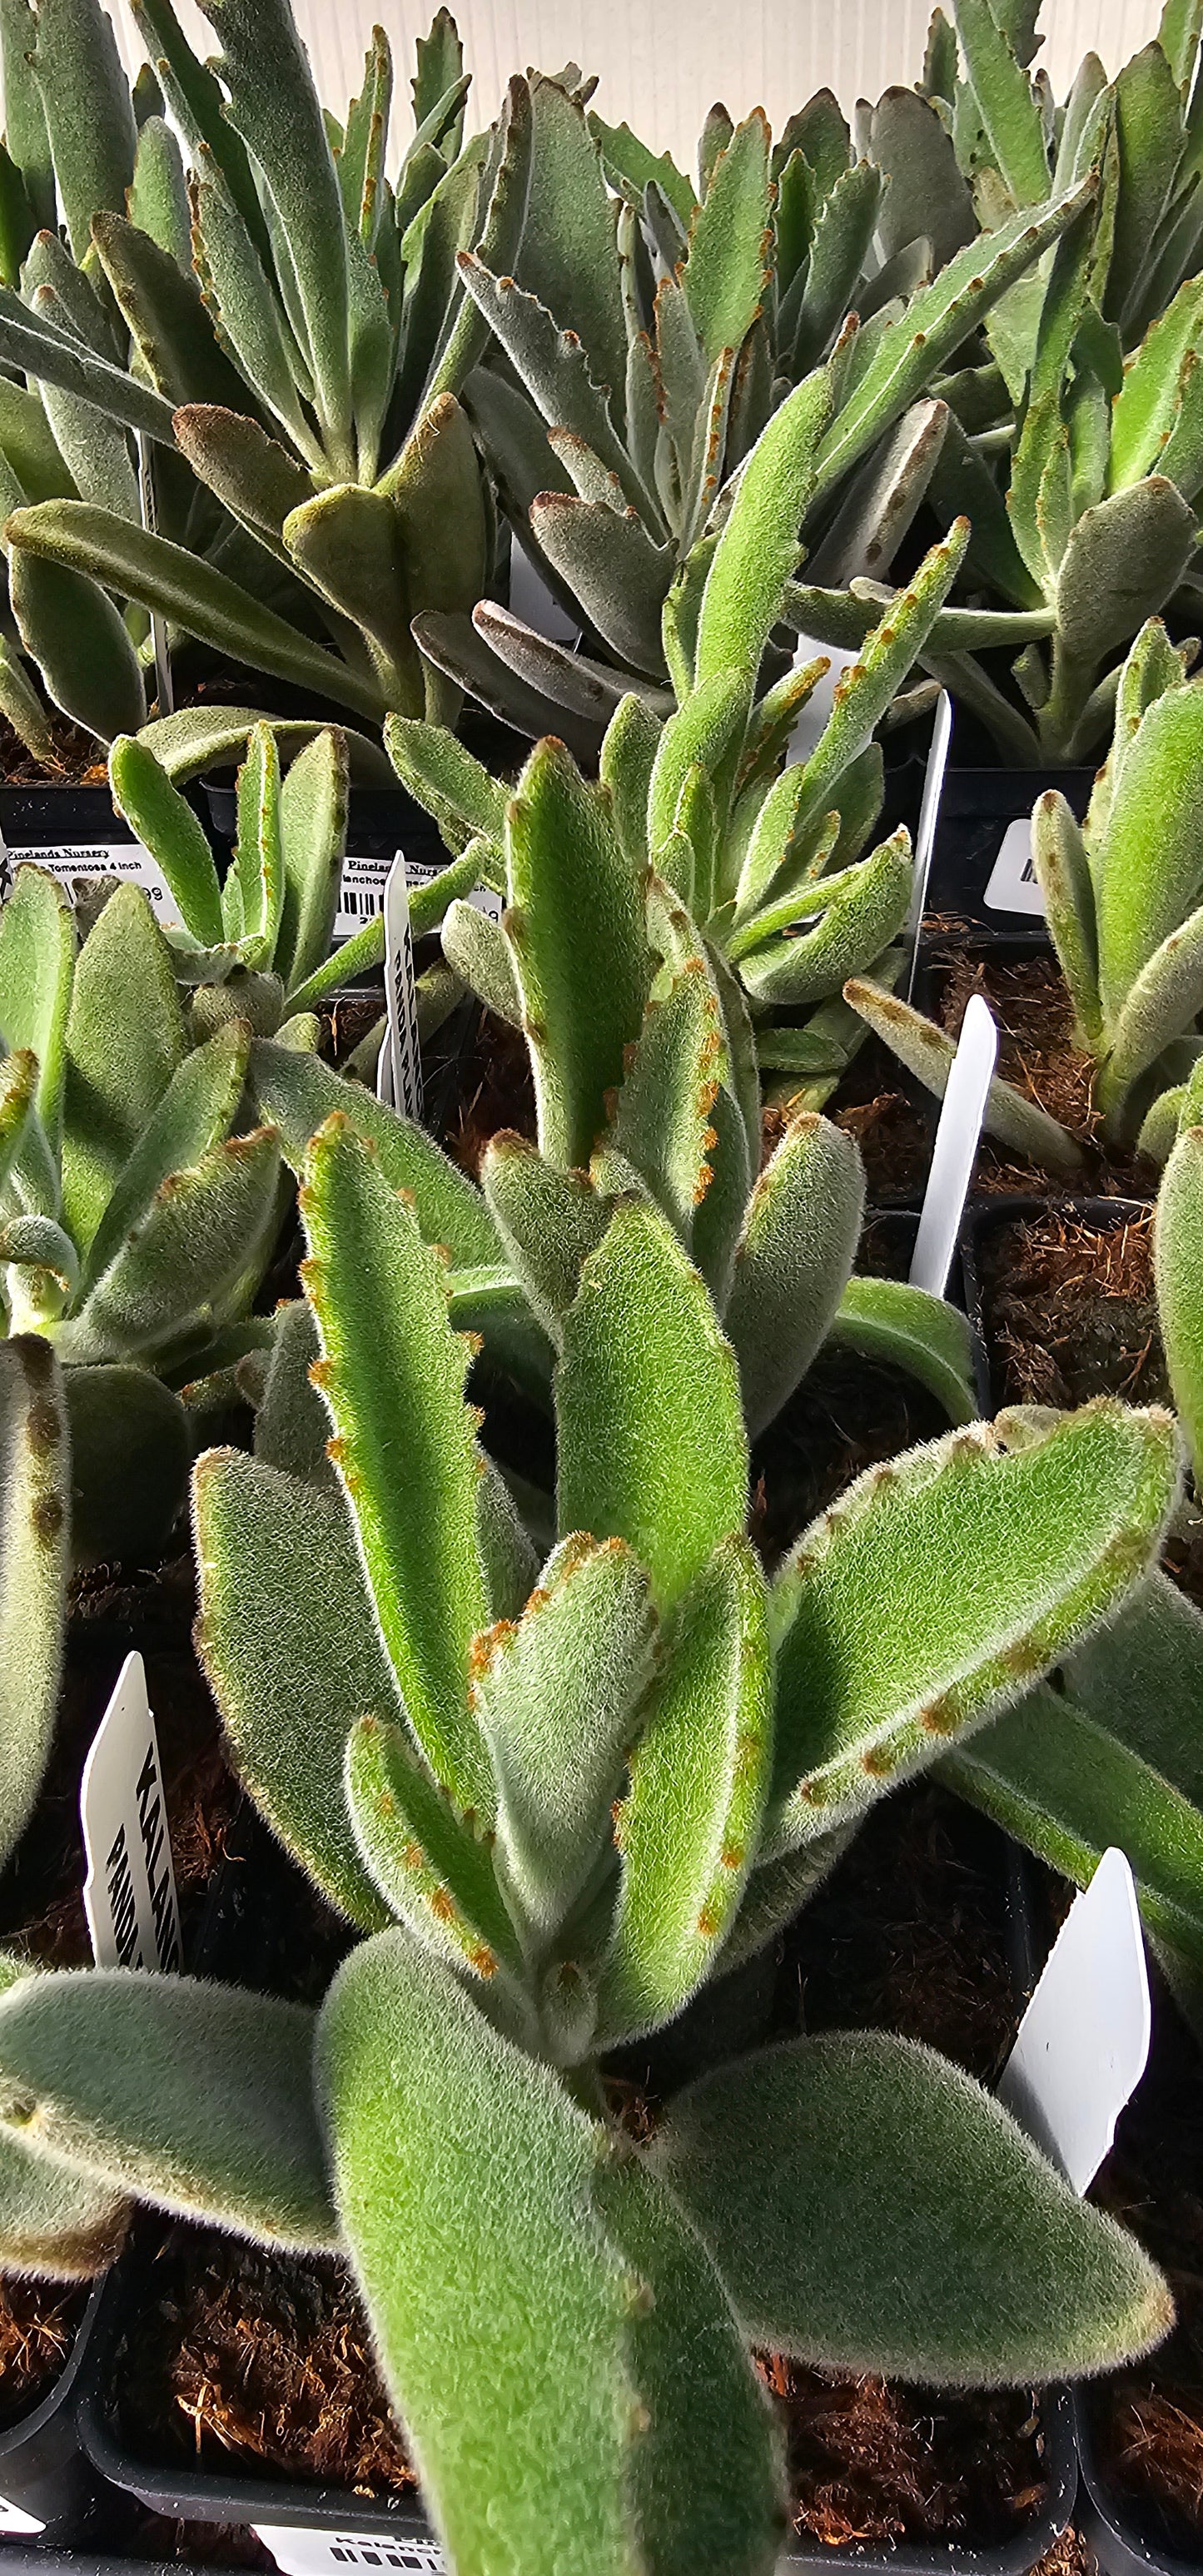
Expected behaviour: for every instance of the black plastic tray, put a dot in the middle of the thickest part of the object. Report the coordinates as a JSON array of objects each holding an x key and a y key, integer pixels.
[
  {"x": 1104, "y": 1215},
  {"x": 246, "y": 1935},
  {"x": 976, "y": 808}
]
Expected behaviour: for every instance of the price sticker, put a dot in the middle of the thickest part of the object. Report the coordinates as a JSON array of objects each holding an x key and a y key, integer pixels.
[
  {"x": 69, "y": 860},
  {"x": 361, "y": 891}
]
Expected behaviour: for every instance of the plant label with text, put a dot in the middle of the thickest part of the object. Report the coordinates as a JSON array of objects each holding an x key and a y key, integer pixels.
[
  {"x": 1012, "y": 885},
  {"x": 301, "y": 2552},
  {"x": 129, "y": 1891},
  {"x": 399, "y": 1072}
]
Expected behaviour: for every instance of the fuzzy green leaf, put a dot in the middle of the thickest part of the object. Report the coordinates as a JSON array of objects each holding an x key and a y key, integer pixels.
[
  {"x": 35, "y": 1540},
  {"x": 653, "y": 1452},
  {"x": 434, "y": 1874},
  {"x": 758, "y": 550},
  {"x": 724, "y": 276},
  {"x": 297, "y": 1094},
  {"x": 76, "y": 635},
  {"x": 203, "y": 1229},
  {"x": 37, "y": 964},
  {"x": 859, "y": 913},
  {"x": 1006, "y": 103},
  {"x": 556, "y": 1699},
  {"x": 1178, "y": 1264},
  {"x": 124, "y": 1040},
  {"x": 882, "y": 1654},
  {"x": 193, "y": 1116},
  {"x": 197, "y": 2097},
  {"x": 393, "y": 1374},
  {"x": 175, "y": 584},
  {"x": 548, "y": 1221},
  {"x": 292, "y": 1664},
  {"x": 163, "y": 819},
  {"x": 688, "y": 1828},
  {"x": 905, "y": 1328},
  {"x": 89, "y": 116},
  {"x": 873, "y": 2209},
  {"x": 568, "y": 257},
  {"x": 620, "y": 2291},
  {"x": 580, "y": 946},
  {"x": 928, "y": 1051},
  {"x": 797, "y": 1248}
]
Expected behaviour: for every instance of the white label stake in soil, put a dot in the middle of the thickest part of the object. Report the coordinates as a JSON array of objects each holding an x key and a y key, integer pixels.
[
  {"x": 1084, "y": 2039},
  {"x": 925, "y": 838},
  {"x": 399, "y": 1073},
  {"x": 129, "y": 1892},
  {"x": 957, "y": 1138}
]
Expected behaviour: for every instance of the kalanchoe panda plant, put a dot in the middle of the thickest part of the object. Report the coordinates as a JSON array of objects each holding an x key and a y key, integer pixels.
[
  {"x": 137, "y": 1216},
  {"x": 259, "y": 947},
  {"x": 1122, "y": 898},
  {"x": 308, "y": 373},
  {"x": 1077, "y": 449},
  {"x": 643, "y": 1061},
  {"x": 1178, "y": 1263},
  {"x": 551, "y": 1808},
  {"x": 767, "y": 857},
  {"x": 637, "y": 401}
]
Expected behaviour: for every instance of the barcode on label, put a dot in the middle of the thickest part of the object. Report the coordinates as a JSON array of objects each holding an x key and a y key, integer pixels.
[
  {"x": 361, "y": 892},
  {"x": 315, "y": 2553},
  {"x": 1012, "y": 884}
]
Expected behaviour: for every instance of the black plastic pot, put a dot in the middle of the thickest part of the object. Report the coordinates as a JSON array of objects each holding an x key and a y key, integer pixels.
[
  {"x": 977, "y": 809},
  {"x": 247, "y": 1934},
  {"x": 44, "y": 2471},
  {"x": 983, "y": 1216}
]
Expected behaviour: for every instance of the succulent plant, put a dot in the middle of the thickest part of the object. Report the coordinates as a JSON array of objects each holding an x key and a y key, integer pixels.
[
  {"x": 442, "y": 1746},
  {"x": 300, "y": 391},
  {"x": 643, "y": 1058},
  {"x": 1111, "y": 1757},
  {"x": 79, "y": 147},
  {"x": 135, "y": 1223},
  {"x": 618, "y": 428},
  {"x": 1120, "y": 893},
  {"x": 1178, "y": 1267},
  {"x": 767, "y": 858},
  {"x": 259, "y": 948}
]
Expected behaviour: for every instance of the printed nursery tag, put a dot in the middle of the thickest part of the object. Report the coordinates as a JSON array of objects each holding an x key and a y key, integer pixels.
[
  {"x": 318, "y": 2553},
  {"x": 1012, "y": 885},
  {"x": 67, "y": 860},
  {"x": 361, "y": 891},
  {"x": 925, "y": 839},
  {"x": 1084, "y": 2038},
  {"x": 20, "y": 2526},
  {"x": 129, "y": 1892},
  {"x": 399, "y": 1072},
  {"x": 955, "y": 1152}
]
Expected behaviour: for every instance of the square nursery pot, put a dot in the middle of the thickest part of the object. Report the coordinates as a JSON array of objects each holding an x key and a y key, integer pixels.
[
  {"x": 1106, "y": 1366},
  {"x": 314, "y": 2527},
  {"x": 981, "y": 870},
  {"x": 48, "y": 2484}
]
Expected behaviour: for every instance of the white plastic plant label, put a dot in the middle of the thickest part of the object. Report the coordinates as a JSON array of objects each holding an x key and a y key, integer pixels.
[
  {"x": 129, "y": 1892},
  {"x": 158, "y": 625},
  {"x": 1084, "y": 2040},
  {"x": 955, "y": 1152},
  {"x": 399, "y": 1072},
  {"x": 819, "y": 704},
  {"x": 299, "y": 2552},
  {"x": 1012, "y": 885},
  {"x": 929, "y": 815},
  {"x": 18, "y": 2525},
  {"x": 67, "y": 860},
  {"x": 534, "y": 603},
  {"x": 361, "y": 891}
]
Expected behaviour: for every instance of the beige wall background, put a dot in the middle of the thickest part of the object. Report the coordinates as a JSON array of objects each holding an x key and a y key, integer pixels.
[{"x": 663, "y": 62}]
